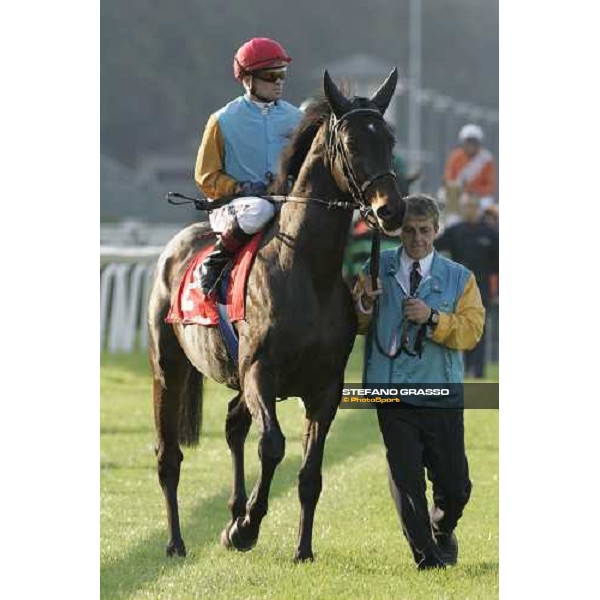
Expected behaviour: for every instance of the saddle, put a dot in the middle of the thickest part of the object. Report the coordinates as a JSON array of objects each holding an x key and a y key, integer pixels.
[{"x": 191, "y": 306}]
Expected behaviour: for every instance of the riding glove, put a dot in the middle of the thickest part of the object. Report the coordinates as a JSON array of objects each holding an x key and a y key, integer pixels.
[{"x": 252, "y": 188}]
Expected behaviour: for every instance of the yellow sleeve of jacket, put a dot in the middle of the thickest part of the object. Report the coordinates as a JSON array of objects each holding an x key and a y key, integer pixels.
[
  {"x": 463, "y": 328},
  {"x": 209, "y": 174}
]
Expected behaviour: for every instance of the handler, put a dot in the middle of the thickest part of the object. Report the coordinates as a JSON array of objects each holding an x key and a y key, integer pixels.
[
  {"x": 240, "y": 151},
  {"x": 420, "y": 285}
]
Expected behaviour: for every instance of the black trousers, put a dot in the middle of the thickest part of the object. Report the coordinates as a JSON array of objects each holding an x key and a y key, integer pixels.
[{"x": 417, "y": 439}]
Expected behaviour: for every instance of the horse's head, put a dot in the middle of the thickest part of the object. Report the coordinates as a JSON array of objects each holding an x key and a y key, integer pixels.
[{"x": 359, "y": 149}]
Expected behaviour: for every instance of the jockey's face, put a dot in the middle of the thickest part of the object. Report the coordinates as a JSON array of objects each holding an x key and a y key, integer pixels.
[
  {"x": 417, "y": 235},
  {"x": 264, "y": 88},
  {"x": 471, "y": 147}
]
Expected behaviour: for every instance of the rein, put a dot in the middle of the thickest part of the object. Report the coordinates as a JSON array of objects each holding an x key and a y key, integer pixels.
[
  {"x": 210, "y": 205},
  {"x": 334, "y": 147}
]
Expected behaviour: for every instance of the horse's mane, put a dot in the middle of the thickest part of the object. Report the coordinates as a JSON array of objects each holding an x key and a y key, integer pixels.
[{"x": 300, "y": 142}]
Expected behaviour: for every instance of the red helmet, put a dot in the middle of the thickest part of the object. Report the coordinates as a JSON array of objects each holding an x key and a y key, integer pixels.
[{"x": 258, "y": 53}]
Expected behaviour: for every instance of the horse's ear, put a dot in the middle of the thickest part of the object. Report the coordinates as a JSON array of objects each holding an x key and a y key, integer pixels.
[
  {"x": 384, "y": 94},
  {"x": 338, "y": 102}
]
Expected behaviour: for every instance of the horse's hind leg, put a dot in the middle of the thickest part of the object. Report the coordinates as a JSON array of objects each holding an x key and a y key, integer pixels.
[
  {"x": 171, "y": 387},
  {"x": 237, "y": 426}
]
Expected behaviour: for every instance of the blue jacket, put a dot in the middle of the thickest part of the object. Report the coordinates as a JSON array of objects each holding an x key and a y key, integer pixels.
[
  {"x": 448, "y": 284},
  {"x": 243, "y": 142},
  {"x": 255, "y": 138}
]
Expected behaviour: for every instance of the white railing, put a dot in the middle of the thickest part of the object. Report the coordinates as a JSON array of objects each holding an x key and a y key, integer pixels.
[
  {"x": 137, "y": 233},
  {"x": 125, "y": 277}
]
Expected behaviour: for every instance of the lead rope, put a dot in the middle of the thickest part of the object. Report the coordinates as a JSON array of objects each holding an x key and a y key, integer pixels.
[{"x": 375, "y": 245}]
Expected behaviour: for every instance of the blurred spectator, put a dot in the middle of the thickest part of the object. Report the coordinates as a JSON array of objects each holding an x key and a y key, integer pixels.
[
  {"x": 470, "y": 169},
  {"x": 474, "y": 244},
  {"x": 399, "y": 167},
  {"x": 491, "y": 215},
  {"x": 403, "y": 179}
]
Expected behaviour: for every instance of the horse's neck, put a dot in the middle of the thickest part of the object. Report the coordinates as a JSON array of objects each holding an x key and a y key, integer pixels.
[{"x": 313, "y": 232}]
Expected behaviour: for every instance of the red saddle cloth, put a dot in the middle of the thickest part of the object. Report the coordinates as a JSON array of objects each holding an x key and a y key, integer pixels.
[{"x": 190, "y": 305}]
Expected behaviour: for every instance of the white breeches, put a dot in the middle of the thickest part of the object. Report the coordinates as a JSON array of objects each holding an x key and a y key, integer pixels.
[{"x": 252, "y": 214}]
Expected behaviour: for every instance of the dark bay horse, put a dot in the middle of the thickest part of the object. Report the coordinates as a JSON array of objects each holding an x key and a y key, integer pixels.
[{"x": 300, "y": 323}]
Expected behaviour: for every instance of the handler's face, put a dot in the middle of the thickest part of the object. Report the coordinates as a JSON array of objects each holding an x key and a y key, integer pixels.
[{"x": 417, "y": 235}]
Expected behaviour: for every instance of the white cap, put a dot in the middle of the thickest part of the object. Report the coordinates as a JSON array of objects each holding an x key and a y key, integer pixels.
[{"x": 470, "y": 131}]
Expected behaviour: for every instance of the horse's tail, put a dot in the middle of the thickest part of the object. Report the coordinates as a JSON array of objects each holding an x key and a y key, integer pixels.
[
  {"x": 177, "y": 382},
  {"x": 190, "y": 412}
]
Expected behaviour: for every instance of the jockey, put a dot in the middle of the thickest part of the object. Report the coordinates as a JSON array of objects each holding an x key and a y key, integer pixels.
[
  {"x": 240, "y": 150},
  {"x": 471, "y": 167}
]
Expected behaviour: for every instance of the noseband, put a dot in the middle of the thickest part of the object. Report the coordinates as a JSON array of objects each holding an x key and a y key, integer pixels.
[{"x": 335, "y": 147}]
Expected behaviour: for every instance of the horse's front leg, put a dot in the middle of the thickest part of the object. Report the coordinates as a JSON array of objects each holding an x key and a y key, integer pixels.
[
  {"x": 237, "y": 425},
  {"x": 259, "y": 395},
  {"x": 320, "y": 412}
]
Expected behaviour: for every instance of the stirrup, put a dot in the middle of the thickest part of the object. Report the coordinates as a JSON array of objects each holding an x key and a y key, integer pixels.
[
  {"x": 210, "y": 280},
  {"x": 212, "y": 269}
]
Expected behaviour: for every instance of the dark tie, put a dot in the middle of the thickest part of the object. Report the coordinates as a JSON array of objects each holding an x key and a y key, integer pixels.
[{"x": 415, "y": 278}]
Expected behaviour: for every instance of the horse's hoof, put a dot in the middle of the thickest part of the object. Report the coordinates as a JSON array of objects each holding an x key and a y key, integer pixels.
[
  {"x": 176, "y": 548},
  {"x": 225, "y": 541},
  {"x": 237, "y": 539},
  {"x": 302, "y": 557}
]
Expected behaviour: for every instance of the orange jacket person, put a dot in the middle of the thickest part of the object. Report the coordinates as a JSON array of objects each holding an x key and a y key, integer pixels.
[{"x": 471, "y": 167}]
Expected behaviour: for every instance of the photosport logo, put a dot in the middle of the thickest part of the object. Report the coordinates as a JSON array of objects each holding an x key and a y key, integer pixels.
[{"x": 426, "y": 395}]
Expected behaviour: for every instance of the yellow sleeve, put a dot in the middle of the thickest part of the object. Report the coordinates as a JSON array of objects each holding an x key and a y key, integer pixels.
[
  {"x": 462, "y": 329},
  {"x": 209, "y": 174}
]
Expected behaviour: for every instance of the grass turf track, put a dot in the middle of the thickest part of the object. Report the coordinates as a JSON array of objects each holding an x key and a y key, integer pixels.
[{"x": 359, "y": 549}]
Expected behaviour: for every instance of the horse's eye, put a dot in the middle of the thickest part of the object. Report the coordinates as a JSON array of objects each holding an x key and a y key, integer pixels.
[{"x": 352, "y": 145}]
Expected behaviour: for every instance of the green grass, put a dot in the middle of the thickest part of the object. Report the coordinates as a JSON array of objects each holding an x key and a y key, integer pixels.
[{"x": 360, "y": 551}]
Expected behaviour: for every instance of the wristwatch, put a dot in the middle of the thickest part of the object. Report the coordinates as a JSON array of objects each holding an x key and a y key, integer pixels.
[{"x": 434, "y": 318}]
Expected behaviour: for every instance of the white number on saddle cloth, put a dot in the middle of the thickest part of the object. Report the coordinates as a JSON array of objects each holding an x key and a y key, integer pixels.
[{"x": 187, "y": 304}]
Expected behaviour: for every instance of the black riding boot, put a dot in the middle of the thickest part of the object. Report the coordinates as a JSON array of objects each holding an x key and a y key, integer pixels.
[{"x": 227, "y": 246}]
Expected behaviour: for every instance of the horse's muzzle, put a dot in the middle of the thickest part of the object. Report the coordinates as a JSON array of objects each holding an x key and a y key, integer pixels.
[{"x": 390, "y": 216}]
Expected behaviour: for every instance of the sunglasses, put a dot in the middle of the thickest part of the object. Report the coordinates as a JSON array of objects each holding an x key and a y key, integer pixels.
[{"x": 271, "y": 75}]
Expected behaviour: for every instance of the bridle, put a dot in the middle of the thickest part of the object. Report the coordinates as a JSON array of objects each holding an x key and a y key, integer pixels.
[{"x": 335, "y": 148}]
